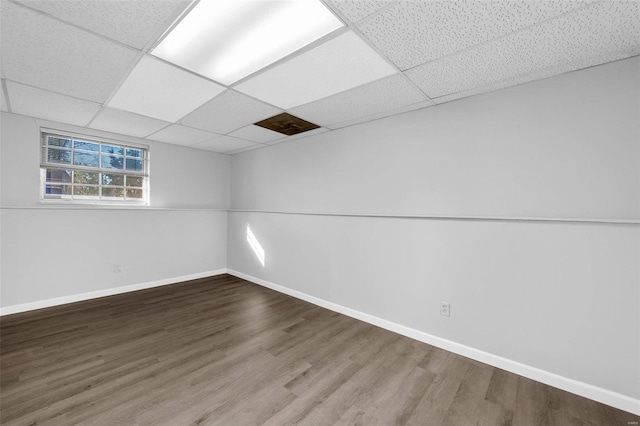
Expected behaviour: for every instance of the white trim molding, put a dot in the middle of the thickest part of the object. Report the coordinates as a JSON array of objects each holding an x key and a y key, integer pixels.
[
  {"x": 24, "y": 307},
  {"x": 605, "y": 396}
]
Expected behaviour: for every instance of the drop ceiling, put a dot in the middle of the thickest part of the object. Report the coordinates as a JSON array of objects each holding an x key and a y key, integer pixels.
[{"x": 91, "y": 64}]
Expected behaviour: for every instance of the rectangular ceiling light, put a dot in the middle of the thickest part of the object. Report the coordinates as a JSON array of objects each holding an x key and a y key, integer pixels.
[{"x": 227, "y": 40}]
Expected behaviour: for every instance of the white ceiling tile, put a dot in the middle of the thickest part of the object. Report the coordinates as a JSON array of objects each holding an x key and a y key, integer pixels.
[
  {"x": 225, "y": 144},
  {"x": 356, "y": 10},
  {"x": 162, "y": 91},
  {"x": 43, "y": 52},
  {"x": 332, "y": 67},
  {"x": 541, "y": 74},
  {"x": 249, "y": 148},
  {"x": 383, "y": 95},
  {"x": 407, "y": 108},
  {"x": 300, "y": 135},
  {"x": 182, "y": 135},
  {"x": 132, "y": 22},
  {"x": 411, "y": 33},
  {"x": 126, "y": 123},
  {"x": 229, "y": 111},
  {"x": 39, "y": 103},
  {"x": 257, "y": 134},
  {"x": 600, "y": 29}
]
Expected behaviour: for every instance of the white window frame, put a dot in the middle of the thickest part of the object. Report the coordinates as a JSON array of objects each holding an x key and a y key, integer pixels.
[{"x": 99, "y": 199}]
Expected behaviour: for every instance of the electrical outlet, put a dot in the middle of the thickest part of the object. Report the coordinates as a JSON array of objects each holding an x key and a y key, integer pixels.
[
  {"x": 445, "y": 309},
  {"x": 116, "y": 269}
]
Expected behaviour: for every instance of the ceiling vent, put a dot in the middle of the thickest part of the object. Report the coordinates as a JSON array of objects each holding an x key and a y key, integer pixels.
[{"x": 286, "y": 124}]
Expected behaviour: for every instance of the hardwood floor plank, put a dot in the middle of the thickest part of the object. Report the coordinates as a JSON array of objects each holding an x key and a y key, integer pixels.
[{"x": 222, "y": 351}]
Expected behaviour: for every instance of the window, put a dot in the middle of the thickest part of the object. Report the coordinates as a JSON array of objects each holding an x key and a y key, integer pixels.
[{"x": 74, "y": 168}]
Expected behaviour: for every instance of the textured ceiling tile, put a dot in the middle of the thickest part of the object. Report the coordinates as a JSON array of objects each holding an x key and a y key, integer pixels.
[
  {"x": 159, "y": 90},
  {"x": 542, "y": 74},
  {"x": 133, "y": 22},
  {"x": 126, "y": 123},
  {"x": 595, "y": 31},
  {"x": 383, "y": 95},
  {"x": 300, "y": 135},
  {"x": 182, "y": 135},
  {"x": 256, "y": 134},
  {"x": 412, "y": 107},
  {"x": 411, "y": 33},
  {"x": 50, "y": 106},
  {"x": 249, "y": 148},
  {"x": 225, "y": 144},
  {"x": 43, "y": 52},
  {"x": 229, "y": 111},
  {"x": 337, "y": 65},
  {"x": 356, "y": 10}
]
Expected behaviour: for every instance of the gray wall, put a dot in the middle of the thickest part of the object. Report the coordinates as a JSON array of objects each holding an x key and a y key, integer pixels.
[
  {"x": 49, "y": 252},
  {"x": 559, "y": 296}
]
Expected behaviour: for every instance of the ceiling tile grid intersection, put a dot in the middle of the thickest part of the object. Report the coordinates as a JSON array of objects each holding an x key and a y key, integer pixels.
[
  {"x": 229, "y": 111},
  {"x": 133, "y": 23},
  {"x": 570, "y": 38},
  {"x": 411, "y": 33},
  {"x": 127, "y": 123},
  {"x": 357, "y": 10},
  {"x": 34, "y": 102},
  {"x": 337, "y": 65},
  {"x": 256, "y": 134},
  {"x": 182, "y": 135},
  {"x": 162, "y": 91},
  {"x": 386, "y": 94},
  {"x": 226, "y": 144},
  {"x": 541, "y": 74},
  {"x": 40, "y": 51}
]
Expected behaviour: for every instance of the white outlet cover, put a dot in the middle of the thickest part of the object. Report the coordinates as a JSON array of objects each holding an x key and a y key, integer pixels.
[{"x": 445, "y": 309}]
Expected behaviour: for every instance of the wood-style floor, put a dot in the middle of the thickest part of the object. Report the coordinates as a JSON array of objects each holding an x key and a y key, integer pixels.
[{"x": 227, "y": 352}]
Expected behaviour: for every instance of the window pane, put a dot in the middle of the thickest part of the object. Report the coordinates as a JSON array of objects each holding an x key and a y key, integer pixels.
[
  {"x": 113, "y": 149},
  {"x": 55, "y": 155},
  {"x": 85, "y": 159},
  {"x": 134, "y": 193},
  {"x": 112, "y": 162},
  {"x": 134, "y": 164},
  {"x": 134, "y": 153},
  {"x": 134, "y": 181},
  {"x": 112, "y": 179},
  {"x": 54, "y": 141},
  {"x": 58, "y": 175},
  {"x": 113, "y": 192},
  {"x": 87, "y": 146},
  {"x": 86, "y": 177},
  {"x": 85, "y": 190},
  {"x": 57, "y": 191}
]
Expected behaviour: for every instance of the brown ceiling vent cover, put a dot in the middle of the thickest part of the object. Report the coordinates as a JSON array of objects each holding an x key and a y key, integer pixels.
[{"x": 286, "y": 124}]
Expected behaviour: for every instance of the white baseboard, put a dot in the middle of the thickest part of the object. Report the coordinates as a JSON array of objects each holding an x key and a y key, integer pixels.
[
  {"x": 14, "y": 309},
  {"x": 614, "y": 399}
]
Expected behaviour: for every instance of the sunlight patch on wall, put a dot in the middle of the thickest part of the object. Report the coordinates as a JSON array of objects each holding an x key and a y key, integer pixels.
[{"x": 255, "y": 245}]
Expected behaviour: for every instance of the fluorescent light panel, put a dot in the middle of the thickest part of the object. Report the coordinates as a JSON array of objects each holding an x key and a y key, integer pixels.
[{"x": 227, "y": 40}]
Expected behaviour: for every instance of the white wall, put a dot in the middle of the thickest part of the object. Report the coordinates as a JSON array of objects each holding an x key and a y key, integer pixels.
[
  {"x": 49, "y": 252},
  {"x": 558, "y": 296}
]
